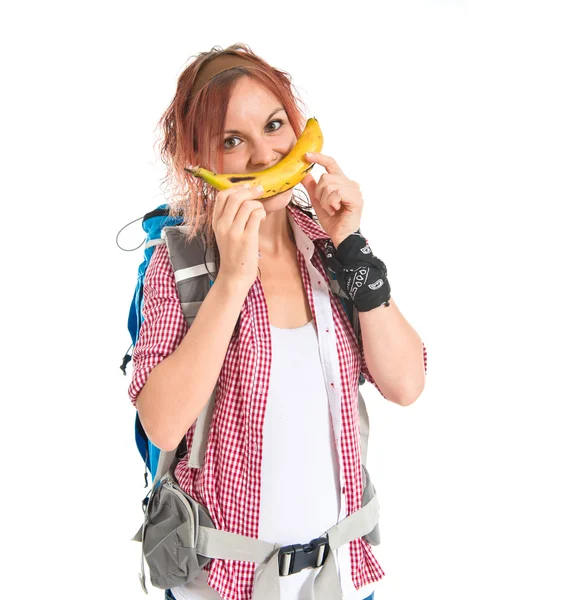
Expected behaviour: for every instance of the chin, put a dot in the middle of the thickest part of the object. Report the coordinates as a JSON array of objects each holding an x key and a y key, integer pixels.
[{"x": 278, "y": 201}]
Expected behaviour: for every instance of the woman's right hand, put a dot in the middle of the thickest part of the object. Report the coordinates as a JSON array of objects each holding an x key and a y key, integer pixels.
[{"x": 236, "y": 222}]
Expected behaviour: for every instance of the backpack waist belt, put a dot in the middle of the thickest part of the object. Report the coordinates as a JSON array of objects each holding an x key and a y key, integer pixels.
[
  {"x": 222, "y": 544},
  {"x": 214, "y": 543}
]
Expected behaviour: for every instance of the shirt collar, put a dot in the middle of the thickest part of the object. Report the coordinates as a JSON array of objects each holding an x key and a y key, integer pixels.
[{"x": 305, "y": 231}]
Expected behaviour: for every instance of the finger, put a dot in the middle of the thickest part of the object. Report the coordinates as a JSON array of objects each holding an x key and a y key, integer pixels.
[
  {"x": 309, "y": 184},
  {"x": 243, "y": 211},
  {"x": 254, "y": 221},
  {"x": 333, "y": 201},
  {"x": 248, "y": 211},
  {"x": 328, "y": 195},
  {"x": 221, "y": 199},
  {"x": 326, "y": 161},
  {"x": 235, "y": 199},
  {"x": 318, "y": 207}
]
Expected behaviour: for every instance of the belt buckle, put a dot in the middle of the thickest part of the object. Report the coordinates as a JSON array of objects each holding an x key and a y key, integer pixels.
[{"x": 296, "y": 557}]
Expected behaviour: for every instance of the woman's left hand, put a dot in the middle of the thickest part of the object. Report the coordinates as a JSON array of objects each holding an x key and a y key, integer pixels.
[{"x": 337, "y": 200}]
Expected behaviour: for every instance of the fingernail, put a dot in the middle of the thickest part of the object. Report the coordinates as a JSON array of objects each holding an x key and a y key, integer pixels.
[
  {"x": 259, "y": 188},
  {"x": 246, "y": 186}
]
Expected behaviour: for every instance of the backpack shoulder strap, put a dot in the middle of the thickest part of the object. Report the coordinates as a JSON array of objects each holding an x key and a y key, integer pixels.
[
  {"x": 194, "y": 273},
  {"x": 194, "y": 269},
  {"x": 352, "y": 312}
]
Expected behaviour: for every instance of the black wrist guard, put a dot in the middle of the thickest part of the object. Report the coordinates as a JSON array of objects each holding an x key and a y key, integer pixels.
[{"x": 359, "y": 273}]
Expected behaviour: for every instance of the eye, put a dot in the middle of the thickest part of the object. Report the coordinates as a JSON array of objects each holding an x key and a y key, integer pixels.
[
  {"x": 280, "y": 121},
  {"x": 228, "y": 146}
]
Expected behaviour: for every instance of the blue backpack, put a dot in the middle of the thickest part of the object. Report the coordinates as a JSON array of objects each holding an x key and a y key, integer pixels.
[{"x": 153, "y": 224}]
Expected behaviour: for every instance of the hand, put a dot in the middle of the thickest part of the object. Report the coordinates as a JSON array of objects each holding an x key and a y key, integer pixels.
[
  {"x": 337, "y": 200},
  {"x": 237, "y": 216}
]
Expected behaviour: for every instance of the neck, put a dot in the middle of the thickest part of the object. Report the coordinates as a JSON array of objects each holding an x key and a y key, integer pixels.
[{"x": 276, "y": 235}]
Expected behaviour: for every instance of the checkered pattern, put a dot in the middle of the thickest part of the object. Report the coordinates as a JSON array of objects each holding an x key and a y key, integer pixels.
[{"x": 228, "y": 485}]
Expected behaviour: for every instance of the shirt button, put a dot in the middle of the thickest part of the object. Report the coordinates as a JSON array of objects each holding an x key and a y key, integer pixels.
[{"x": 344, "y": 490}]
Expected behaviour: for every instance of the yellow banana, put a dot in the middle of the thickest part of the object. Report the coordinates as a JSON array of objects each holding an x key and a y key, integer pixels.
[{"x": 284, "y": 175}]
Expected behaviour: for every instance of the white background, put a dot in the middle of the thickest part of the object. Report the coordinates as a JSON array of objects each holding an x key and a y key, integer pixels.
[{"x": 449, "y": 116}]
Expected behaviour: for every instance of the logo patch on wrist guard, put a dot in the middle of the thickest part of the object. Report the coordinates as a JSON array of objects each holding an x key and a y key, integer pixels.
[{"x": 376, "y": 285}]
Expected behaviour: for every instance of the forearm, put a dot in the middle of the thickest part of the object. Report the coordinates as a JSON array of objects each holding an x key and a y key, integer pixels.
[
  {"x": 393, "y": 353},
  {"x": 178, "y": 387}
]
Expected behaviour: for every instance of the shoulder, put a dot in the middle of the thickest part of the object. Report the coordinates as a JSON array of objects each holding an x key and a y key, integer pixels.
[
  {"x": 159, "y": 277},
  {"x": 159, "y": 257}
]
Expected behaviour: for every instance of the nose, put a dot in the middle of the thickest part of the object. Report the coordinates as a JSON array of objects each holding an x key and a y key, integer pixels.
[{"x": 263, "y": 156}]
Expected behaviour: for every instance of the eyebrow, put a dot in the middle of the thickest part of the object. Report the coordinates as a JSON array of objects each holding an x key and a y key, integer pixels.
[{"x": 240, "y": 132}]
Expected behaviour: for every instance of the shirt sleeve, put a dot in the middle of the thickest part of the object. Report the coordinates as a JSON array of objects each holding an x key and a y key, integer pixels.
[{"x": 164, "y": 325}]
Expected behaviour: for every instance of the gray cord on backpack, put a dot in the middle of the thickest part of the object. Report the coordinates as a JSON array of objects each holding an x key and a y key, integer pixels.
[{"x": 117, "y": 237}]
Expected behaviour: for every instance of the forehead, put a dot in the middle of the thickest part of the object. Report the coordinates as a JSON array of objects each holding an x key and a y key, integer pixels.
[{"x": 249, "y": 100}]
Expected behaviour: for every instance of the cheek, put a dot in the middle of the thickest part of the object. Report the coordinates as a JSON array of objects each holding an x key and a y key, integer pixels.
[
  {"x": 233, "y": 164},
  {"x": 291, "y": 141}
]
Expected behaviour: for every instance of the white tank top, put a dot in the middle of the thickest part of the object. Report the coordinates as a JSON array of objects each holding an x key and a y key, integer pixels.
[{"x": 299, "y": 498}]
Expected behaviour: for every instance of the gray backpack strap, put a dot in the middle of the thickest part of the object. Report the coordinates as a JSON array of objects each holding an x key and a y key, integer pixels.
[
  {"x": 369, "y": 490},
  {"x": 201, "y": 433},
  {"x": 191, "y": 267},
  {"x": 364, "y": 417},
  {"x": 154, "y": 242},
  {"x": 364, "y": 427},
  {"x": 193, "y": 283},
  {"x": 165, "y": 462},
  {"x": 193, "y": 275}
]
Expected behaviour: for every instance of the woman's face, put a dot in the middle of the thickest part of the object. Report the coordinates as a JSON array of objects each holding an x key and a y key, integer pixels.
[{"x": 257, "y": 134}]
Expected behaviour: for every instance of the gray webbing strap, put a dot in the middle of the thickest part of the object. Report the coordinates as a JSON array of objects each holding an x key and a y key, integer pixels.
[
  {"x": 155, "y": 242},
  {"x": 214, "y": 543},
  {"x": 201, "y": 433},
  {"x": 165, "y": 459},
  {"x": 195, "y": 271},
  {"x": 364, "y": 428}
]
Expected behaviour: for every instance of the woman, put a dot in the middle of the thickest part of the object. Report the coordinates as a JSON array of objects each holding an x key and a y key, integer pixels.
[{"x": 283, "y": 456}]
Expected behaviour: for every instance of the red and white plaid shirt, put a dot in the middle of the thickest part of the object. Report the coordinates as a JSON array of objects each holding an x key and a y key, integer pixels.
[{"x": 228, "y": 485}]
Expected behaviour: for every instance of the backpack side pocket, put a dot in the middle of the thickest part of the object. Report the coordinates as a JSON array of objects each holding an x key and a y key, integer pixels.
[{"x": 171, "y": 536}]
